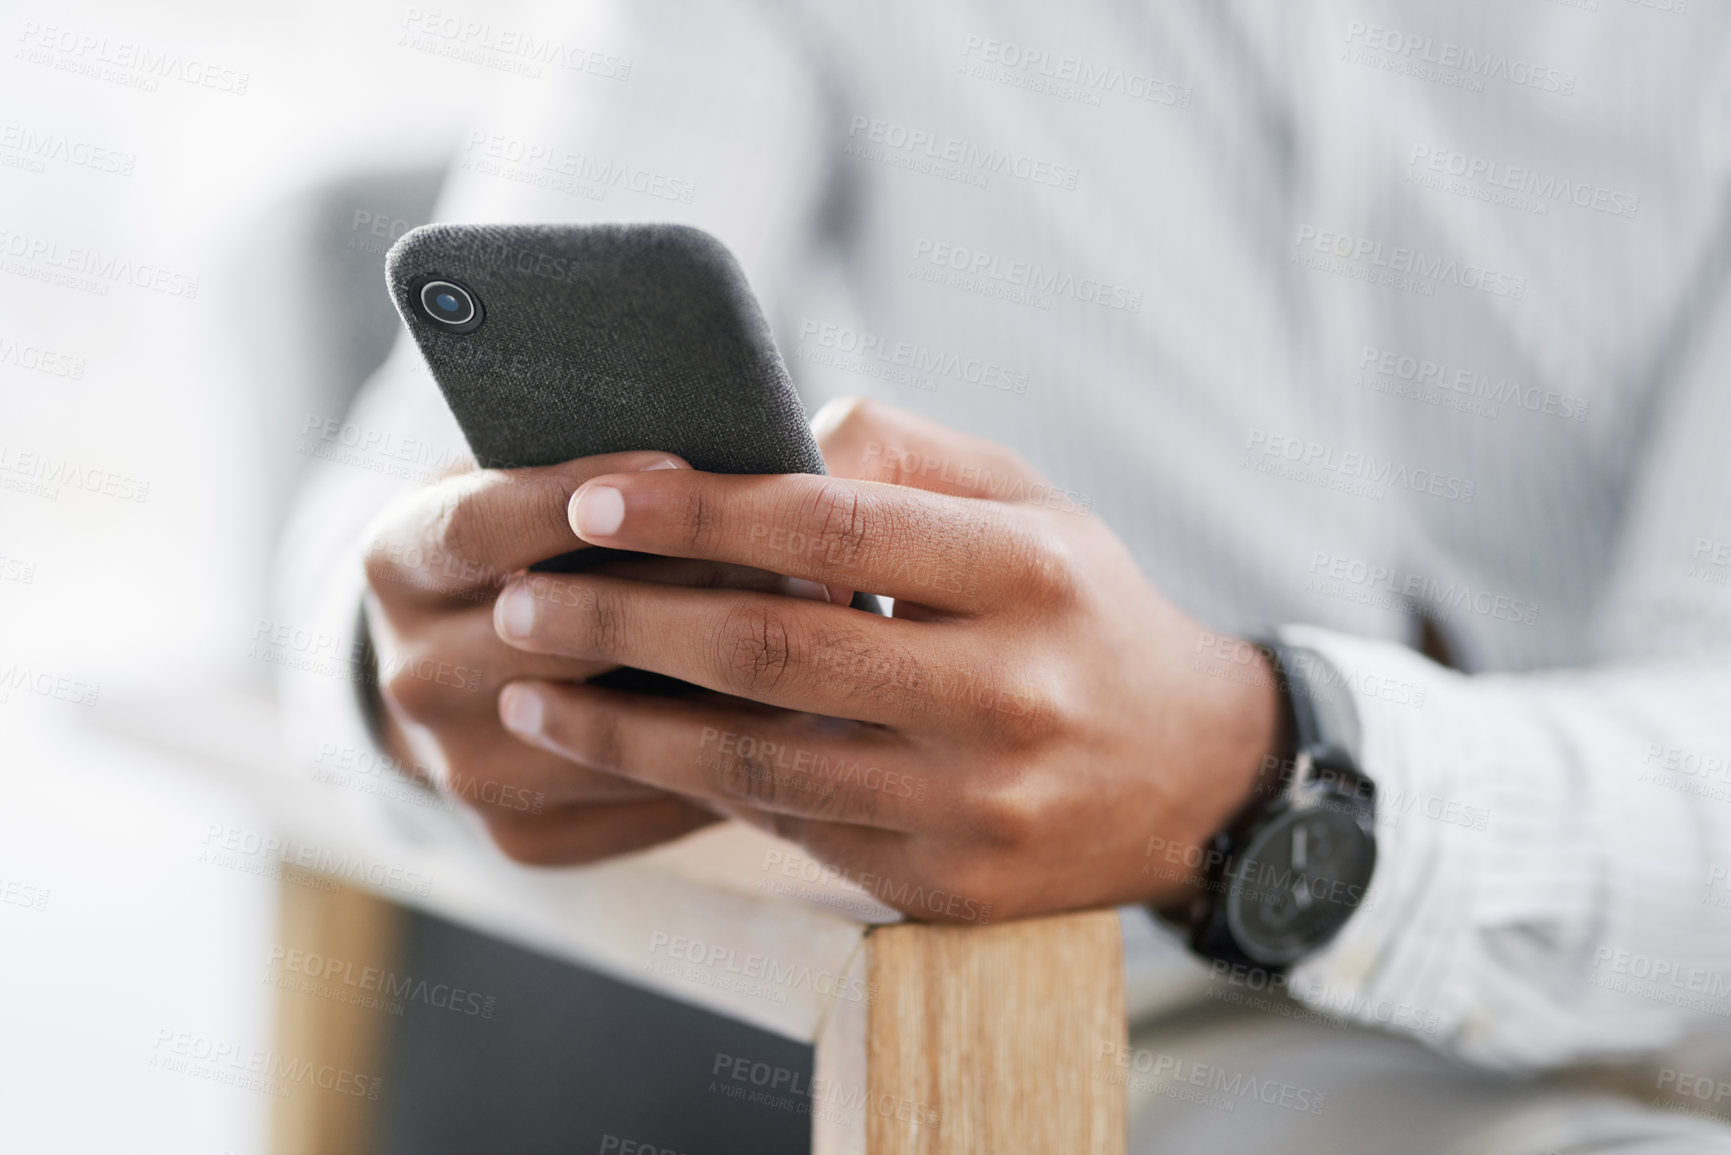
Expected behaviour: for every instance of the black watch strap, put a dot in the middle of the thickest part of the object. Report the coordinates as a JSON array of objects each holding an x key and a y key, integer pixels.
[
  {"x": 1319, "y": 744},
  {"x": 368, "y": 694},
  {"x": 1325, "y": 726}
]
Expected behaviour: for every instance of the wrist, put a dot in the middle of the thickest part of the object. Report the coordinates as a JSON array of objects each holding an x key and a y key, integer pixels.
[
  {"x": 1296, "y": 860},
  {"x": 1248, "y": 733}
]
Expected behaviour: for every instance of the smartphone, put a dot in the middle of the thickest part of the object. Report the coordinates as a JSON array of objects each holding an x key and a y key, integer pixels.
[
  {"x": 552, "y": 342},
  {"x": 558, "y": 341}
]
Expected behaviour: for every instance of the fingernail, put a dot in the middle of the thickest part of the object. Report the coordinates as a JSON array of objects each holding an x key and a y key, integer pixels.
[
  {"x": 597, "y": 511},
  {"x": 517, "y": 611},
  {"x": 520, "y": 709},
  {"x": 664, "y": 463},
  {"x": 800, "y": 588}
]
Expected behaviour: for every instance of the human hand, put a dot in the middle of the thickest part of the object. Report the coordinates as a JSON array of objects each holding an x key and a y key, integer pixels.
[
  {"x": 437, "y": 559},
  {"x": 1013, "y": 734}
]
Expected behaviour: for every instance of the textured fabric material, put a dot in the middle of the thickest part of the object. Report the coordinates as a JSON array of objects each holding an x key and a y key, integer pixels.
[{"x": 601, "y": 339}]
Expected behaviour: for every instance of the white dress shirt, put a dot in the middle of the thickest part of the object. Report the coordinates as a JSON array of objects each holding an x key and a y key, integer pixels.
[{"x": 1343, "y": 316}]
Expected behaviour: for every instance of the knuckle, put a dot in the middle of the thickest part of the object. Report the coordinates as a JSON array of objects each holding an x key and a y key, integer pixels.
[
  {"x": 451, "y": 531},
  {"x": 862, "y": 423},
  {"x": 1007, "y": 812},
  {"x": 899, "y": 468},
  {"x": 1041, "y": 564},
  {"x": 848, "y": 422},
  {"x": 833, "y": 799},
  {"x": 843, "y": 519},
  {"x": 422, "y": 699},
  {"x": 380, "y": 568},
  {"x": 865, "y": 670},
  {"x": 601, "y": 622},
  {"x": 547, "y": 502},
  {"x": 525, "y": 842},
  {"x": 1030, "y": 709},
  {"x": 469, "y": 518},
  {"x": 700, "y": 522},
  {"x": 601, "y": 743},
  {"x": 395, "y": 541},
  {"x": 747, "y": 776},
  {"x": 520, "y": 509},
  {"x": 865, "y": 415},
  {"x": 756, "y": 649},
  {"x": 826, "y": 802}
]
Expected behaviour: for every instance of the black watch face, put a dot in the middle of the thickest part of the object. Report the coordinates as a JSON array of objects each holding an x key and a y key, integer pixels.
[{"x": 1299, "y": 879}]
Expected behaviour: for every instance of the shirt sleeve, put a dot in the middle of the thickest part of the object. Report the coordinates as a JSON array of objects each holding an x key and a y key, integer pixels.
[
  {"x": 1553, "y": 847},
  {"x": 676, "y": 128}
]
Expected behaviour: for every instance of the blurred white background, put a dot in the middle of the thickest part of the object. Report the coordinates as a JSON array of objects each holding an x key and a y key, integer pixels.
[{"x": 112, "y": 931}]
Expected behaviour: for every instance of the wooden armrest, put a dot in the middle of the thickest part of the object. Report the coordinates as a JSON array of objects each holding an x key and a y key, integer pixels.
[
  {"x": 991, "y": 1038},
  {"x": 971, "y": 1038},
  {"x": 975, "y": 1038},
  {"x": 328, "y": 921}
]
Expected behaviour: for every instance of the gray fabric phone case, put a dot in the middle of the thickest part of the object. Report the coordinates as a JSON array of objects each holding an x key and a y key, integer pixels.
[
  {"x": 604, "y": 339},
  {"x": 601, "y": 339}
]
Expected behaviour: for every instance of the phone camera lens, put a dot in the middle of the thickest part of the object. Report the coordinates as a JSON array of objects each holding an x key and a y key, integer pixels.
[{"x": 450, "y": 306}]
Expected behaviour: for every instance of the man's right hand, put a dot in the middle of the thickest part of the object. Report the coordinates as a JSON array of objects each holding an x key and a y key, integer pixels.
[{"x": 435, "y": 563}]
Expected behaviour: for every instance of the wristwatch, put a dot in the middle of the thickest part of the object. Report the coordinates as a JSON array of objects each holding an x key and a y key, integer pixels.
[{"x": 1293, "y": 864}]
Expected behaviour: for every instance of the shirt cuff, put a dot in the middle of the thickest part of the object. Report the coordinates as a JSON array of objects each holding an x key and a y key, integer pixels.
[
  {"x": 1535, "y": 902},
  {"x": 1400, "y": 962}
]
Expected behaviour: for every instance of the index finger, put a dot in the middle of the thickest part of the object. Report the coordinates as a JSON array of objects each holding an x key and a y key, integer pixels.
[
  {"x": 951, "y": 553},
  {"x": 457, "y": 539}
]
